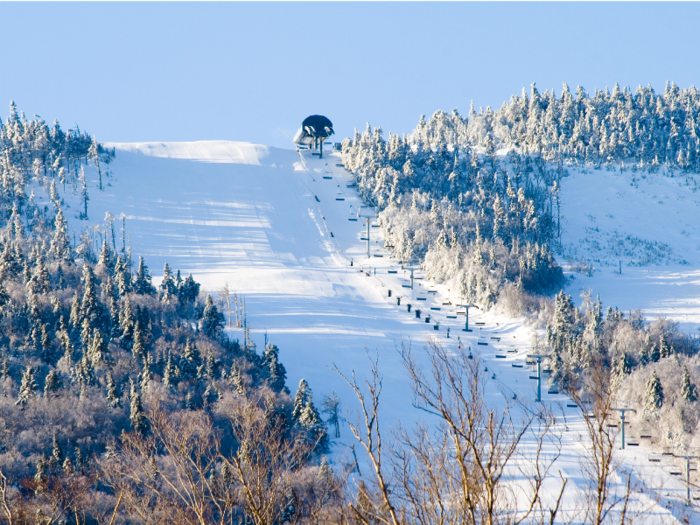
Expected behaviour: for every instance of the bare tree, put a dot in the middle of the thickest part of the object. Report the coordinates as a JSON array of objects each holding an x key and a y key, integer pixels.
[
  {"x": 476, "y": 446},
  {"x": 595, "y": 393},
  {"x": 180, "y": 474},
  {"x": 225, "y": 296},
  {"x": 331, "y": 406},
  {"x": 462, "y": 470},
  {"x": 57, "y": 495},
  {"x": 379, "y": 507},
  {"x": 171, "y": 474}
]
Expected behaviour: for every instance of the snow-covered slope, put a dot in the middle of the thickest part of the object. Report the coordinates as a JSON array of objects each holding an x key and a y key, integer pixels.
[
  {"x": 274, "y": 224},
  {"x": 649, "y": 223}
]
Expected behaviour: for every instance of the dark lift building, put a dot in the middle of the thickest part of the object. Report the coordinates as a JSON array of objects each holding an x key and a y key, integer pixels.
[{"x": 314, "y": 130}]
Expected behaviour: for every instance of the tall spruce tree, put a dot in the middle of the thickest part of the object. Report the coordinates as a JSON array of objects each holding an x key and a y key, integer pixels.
[
  {"x": 27, "y": 387},
  {"x": 301, "y": 398},
  {"x": 212, "y": 322},
  {"x": 142, "y": 283},
  {"x": 689, "y": 391},
  {"x": 113, "y": 394},
  {"x": 138, "y": 420},
  {"x": 653, "y": 396}
]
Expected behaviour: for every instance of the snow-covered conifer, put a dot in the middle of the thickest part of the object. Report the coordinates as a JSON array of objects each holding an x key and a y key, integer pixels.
[
  {"x": 654, "y": 395},
  {"x": 212, "y": 322},
  {"x": 300, "y": 399},
  {"x": 689, "y": 391},
  {"x": 27, "y": 387},
  {"x": 113, "y": 395},
  {"x": 138, "y": 420},
  {"x": 52, "y": 384}
]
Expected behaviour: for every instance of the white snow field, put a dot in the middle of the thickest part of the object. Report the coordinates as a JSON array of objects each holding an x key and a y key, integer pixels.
[
  {"x": 648, "y": 222},
  {"x": 275, "y": 225}
]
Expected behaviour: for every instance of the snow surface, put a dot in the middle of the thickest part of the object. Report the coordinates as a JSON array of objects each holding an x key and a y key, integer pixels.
[
  {"x": 649, "y": 223},
  {"x": 268, "y": 221}
]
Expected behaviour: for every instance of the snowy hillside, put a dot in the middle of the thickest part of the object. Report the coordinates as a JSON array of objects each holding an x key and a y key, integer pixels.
[
  {"x": 274, "y": 224},
  {"x": 648, "y": 222}
]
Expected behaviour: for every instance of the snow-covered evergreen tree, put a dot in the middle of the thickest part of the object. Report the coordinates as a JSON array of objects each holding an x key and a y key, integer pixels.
[
  {"x": 653, "y": 396},
  {"x": 138, "y": 420},
  {"x": 212, "y": 322},
  {"x": 27, "y": 388},
  {"x": 689, "y": 391}
]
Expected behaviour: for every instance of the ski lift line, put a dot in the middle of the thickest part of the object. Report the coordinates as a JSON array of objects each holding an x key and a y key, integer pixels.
[
  {"x": 340, "y": 250},
  {"x": 336, "y": 243}
]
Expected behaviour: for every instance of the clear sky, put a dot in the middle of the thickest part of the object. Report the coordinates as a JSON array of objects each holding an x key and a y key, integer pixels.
[{"x": 133, "y": 72}]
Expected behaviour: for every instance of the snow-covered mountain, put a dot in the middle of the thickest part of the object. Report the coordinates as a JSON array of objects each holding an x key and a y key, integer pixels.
[{"x": 275, "y": 225}]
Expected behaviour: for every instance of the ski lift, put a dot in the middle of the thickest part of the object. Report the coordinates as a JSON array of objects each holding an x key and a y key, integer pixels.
[
  {"x": 353, "y": 215},
  {"x": 339, "y": 195}
]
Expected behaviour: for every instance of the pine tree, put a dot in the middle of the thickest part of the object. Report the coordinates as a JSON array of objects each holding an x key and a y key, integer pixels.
[
  {"x": 236, "y": 379},
  {"x": 85, "y": 374},
  {"x": 142, "y": 284},
  {"x": 210, "y": 368},
  {"x": 654, "y": 395},
  {"x": 189, "y": 401},
  {"x": 75, "y": 318},
  {"x": 169, "y": 373},
  {"x": 113, "y": 395},
  {"x": 137, "y": 418},
  {"x": 27, "y": 387},
  {"x": 105, "y": 255},
  {"x": 654, "y": 354},
  {"x": 644, "y": 355},
  {"x": 67, "y": 345},
  {"x": 277, "y": 374},
  {"x": 190, "y": 361},
  {"x": 122, "y": 276},
  {"x": 688, "y": 390},
  {"x": 324, "y": 478},
  {"x": 43, "y": 278},
  {"x": 188, "y": 290},
  {"x": 168, "y": 286},
  {"x": 126, "y": 320},
  {"x": 86, "y": 336},
  {"x": 56, "y": 452},
  {"x": 60, "y": 244},
  {"x": 90, "y": 307},
  {"x": 98, "y": 349},
  {"x": 664, "y": 350},
  {"x": 212, "y": 322},
  {"x": 40, "y": 476},
  {"x": 311, "y": 421},
  {"x": 115, "y": 331},
  {"x": 300, "y": 399},
  {"x": 139, "y": 347},
  {"x": 146, "y": 375},
  {"x": 52, "y": 384}
]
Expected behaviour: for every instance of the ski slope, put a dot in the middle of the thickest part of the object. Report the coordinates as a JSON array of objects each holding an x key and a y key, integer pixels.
[
  {"x": 649, "y": 224},
  {"x": 274, "y": 224}
]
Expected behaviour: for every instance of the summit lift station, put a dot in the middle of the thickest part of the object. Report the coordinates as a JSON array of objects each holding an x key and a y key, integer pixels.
[{"x": 313, "y": 131}]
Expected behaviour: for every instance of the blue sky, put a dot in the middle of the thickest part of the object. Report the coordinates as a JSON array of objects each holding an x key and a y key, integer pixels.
[{"x": 241, "y": 71}]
